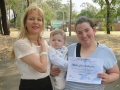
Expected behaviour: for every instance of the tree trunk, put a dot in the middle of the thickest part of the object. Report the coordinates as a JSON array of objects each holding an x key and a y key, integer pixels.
[
  {"x": 9, "y": 12},
  {"x": 28, "y": 2},
  {"x": 4, "y": 20},
  {"x": 108, "y": 17},
  {"x": 70, "y": 17},
  {"x": 14, "y": 18},
  {"x": 1, "y": 30}
]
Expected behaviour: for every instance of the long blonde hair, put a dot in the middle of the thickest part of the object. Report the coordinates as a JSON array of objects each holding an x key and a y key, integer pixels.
[{"x": 23, "y": 29}]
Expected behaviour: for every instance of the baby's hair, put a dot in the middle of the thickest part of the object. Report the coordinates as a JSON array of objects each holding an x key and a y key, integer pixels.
[{"x": 58, "y": 31}]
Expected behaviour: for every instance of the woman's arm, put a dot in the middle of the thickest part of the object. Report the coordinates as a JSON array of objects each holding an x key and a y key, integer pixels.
[
  {"x": 110, "y": 76},
  {"x": 39, "y": 64}
]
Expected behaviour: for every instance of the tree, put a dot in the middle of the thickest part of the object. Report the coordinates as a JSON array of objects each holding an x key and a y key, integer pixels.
[
  {"x": 1, "y": 30},
  {"x": 53, "y": 9},
  {"x": 17, "y": 9},
  {"x": 55, "y": 6},
  {"x": 62, "y": 13},
  {"x": 108, "y": 16},
  {"x": 4, "y": 18},
  {"x": 109, "y": 6},
  {"x": 89, "y": 10},
  {"x": 28, "y": 2},
  {"x": 48, "y": 14}
]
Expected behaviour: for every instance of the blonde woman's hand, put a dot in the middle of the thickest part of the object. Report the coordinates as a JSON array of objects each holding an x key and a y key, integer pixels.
[
  {"x": 41, "y": 40},
  {"x": 105, "y": 77}
]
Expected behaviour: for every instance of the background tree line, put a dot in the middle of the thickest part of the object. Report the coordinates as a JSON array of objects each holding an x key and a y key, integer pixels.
[{"x": 55, "y": 10}]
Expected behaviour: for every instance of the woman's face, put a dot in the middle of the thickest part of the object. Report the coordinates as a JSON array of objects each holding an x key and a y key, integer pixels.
[
  {"x": 34, "y": 23},
  {"x": 85, "y": 33}
]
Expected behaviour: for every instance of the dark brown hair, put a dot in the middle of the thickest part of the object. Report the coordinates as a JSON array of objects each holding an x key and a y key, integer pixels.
[{"x": 84, "y": 19}]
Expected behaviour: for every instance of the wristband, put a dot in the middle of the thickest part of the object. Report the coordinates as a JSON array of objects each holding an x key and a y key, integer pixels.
[{"x": 42, "y": 53}]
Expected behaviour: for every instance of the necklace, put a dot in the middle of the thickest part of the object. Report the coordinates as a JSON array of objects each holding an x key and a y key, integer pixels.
[
  {"x": 32, "y": 38},
  {"x": 34, "y": 41}
]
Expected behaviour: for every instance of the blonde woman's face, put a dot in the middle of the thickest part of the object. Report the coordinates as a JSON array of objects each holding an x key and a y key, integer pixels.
[{"x": 34, "y": 23}]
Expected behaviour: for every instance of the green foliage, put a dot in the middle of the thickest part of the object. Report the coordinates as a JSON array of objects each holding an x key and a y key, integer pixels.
[
  {"x": 12, "y": 20},
  {"x": 109, "y": 10},
  {"x": 89, "y": 10},
  {"x": 103, "y": 24},
  {"x": 18, "y": 6},
  {"x": 53, "y": 9}
]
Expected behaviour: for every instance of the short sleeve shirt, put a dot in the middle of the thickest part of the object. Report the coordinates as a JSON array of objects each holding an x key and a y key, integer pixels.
[{"x": 22, "y": 48}]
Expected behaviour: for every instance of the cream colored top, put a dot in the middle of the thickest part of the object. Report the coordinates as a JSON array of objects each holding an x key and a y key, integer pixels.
[{"x": 24, "y": 47}]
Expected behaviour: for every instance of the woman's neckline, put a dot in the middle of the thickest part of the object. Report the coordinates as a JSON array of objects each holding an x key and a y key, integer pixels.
[{"x": 32, "y": 43}]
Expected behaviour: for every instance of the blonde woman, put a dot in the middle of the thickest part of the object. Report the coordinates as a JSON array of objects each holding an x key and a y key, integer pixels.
[{"x": 30, "y": 52}]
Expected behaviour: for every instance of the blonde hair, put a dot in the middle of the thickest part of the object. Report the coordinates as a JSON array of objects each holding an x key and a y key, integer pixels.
[
  {"x": 28, "y": 10},
  {"x": 23, "y": 29},
  {"x": 58, "y": 31}
]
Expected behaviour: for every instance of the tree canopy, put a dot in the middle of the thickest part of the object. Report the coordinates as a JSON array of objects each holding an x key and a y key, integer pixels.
[{"x": 55, "y": 10}]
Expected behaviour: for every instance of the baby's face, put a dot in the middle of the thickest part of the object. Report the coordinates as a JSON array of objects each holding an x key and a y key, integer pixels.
[{"x": 57, "y": 41}]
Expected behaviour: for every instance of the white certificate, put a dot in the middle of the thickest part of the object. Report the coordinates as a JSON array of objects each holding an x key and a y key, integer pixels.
[{"x": 84, "y": 70}]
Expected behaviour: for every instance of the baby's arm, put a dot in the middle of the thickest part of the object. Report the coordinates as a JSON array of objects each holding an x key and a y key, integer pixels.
[{"x": 56, "y": 59}]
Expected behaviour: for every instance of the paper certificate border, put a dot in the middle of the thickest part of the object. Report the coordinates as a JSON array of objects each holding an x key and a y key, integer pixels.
[{"x": 84, "y": 70}]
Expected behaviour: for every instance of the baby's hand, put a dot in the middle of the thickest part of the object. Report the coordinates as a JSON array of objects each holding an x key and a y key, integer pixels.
[
  {"x": 55, "y": 71},
  {"x": 105, "y": 77}
]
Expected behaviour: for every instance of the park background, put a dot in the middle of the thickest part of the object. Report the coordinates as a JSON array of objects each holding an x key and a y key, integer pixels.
[{"x": 57, "y": 15}]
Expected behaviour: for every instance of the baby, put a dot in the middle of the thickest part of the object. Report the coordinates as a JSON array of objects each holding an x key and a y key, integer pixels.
[{"x": 58, "y": 57}]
